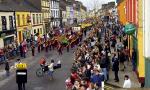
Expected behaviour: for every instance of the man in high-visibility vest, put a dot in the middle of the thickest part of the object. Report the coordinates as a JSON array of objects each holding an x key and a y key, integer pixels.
[{"x": 21, "y": 74}]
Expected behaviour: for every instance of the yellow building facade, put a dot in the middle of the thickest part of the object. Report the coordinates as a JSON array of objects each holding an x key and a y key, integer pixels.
[
  {"x": 122, "y": 11},
  {"x": 83, "y": 14},
  {"x": 141, "y": 60},
  {"x": 23, "y": 24}
]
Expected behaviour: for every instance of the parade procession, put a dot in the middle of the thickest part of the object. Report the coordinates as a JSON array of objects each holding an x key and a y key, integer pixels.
[{"x": 74, "y": 45}]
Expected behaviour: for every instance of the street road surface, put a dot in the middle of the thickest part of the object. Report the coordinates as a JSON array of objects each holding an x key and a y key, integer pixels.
[{"x": 44, "y": 83}]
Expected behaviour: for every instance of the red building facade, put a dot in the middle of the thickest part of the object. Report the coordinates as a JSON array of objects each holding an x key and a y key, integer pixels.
[{"x": 131, "y": 11}]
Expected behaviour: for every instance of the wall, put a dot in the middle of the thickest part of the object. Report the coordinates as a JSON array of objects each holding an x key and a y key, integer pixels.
[
  {"x": 22, "y": 27},
  {"x": 131, "y": 8},
  {"x": 141, "y": 61},
  {"x": 1, "y": 43},
  {"x": 7, "y": 14},
  {"x": 146, "y": 8},
  {"x": 122, "y": 12},
  {"x": 55, "y": 12},
  {"x": 46, "y": 8},
  {"x": 37, "y": 23}
]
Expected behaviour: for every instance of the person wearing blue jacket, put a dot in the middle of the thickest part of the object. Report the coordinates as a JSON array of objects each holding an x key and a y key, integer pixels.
[{"x": 97, "y": 78}]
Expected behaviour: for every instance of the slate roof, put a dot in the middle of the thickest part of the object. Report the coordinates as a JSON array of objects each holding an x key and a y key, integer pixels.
[
  {"x": 35, "y": 3},
  {"x": 17, "y": 5}
]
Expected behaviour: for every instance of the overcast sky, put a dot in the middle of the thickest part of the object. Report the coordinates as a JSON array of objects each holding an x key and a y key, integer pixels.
[{"x": 90, "y": 3}]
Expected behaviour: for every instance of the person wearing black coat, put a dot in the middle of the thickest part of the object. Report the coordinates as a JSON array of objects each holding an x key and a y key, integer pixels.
[
  {"x": 115, "y": 67},
  {"x": 21, "y": 50},
  {"x": 7, "y": 68}
]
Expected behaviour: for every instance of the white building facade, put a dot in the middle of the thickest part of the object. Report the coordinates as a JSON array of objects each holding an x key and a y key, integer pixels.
[
  {"x": 70, "y": 14},
  {"x": 37, "y": 23},
  {"x": 7, "y": 28},
  {"x": 146, "y": 40},
  {"x": 55, "y": 13}
]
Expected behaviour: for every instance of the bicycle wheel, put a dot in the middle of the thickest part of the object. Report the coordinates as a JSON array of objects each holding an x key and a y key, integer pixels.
[{"x": 39, "y": 72}]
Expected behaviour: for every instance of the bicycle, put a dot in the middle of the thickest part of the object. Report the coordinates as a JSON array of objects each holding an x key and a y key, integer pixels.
[
  {"x": 41, "y": 71},
  {"x": 45, "y": 69}
]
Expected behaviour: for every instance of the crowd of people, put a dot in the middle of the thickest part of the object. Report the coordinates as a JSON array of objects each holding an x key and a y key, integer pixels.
[
  {"x": 104, "y": 49},
  {"x": 9, "y": 51}
]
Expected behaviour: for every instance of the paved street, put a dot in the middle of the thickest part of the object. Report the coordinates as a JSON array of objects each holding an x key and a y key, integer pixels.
[{"x": 44, "y": 83}]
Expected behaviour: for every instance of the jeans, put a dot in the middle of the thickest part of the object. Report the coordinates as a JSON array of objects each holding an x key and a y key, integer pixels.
[
  {"x": 104, "y": 70},
  {"x": 2, "y": 58}
]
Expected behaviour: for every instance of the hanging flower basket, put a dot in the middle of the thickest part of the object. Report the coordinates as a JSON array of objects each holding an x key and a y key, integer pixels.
[{"x": 130, "y": 29}]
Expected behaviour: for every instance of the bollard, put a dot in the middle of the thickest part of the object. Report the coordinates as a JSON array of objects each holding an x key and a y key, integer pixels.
[{"x": 102, "y": 84}]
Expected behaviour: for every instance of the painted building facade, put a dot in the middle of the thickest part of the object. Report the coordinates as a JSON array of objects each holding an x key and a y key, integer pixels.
[
  {"x": 37, "y": 23},
  {"x": 55, "y": 13},
  {"x": 70, "y": 14},
  {"x": 44, "y": 7},
  {"x": 121, "y": 7},
  {"x": 63, "y": 18},
  {"x": 23, "y": 24},
  {"x": 131, "y": 11},
  {"x": 7, "y": 28},
  {"x": 141, "y": 61},
  {"x": 146, "y": 33}
]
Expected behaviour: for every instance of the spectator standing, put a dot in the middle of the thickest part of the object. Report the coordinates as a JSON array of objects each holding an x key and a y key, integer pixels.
[
  {"x": 97, "y": 78},
  {"x": 7, "y": 68},
  {"x": 115, "y": 67},
  {"x": 32, "y": 48},
  {"x": 21, "y": 50},
  {"x": 134, "y": 59},
  {"x": 103, "y": 65}
]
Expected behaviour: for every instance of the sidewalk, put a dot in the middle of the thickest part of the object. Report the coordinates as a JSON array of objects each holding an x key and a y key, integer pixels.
[
  {"x": 128, "y": 71},
  {"x": 11, "y": 64}
]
